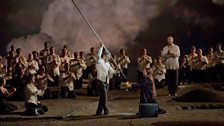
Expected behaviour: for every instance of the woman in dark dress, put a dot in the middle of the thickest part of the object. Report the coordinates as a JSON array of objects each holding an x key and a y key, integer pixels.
[
  {"x": 147, "y": 89},
  {"x": 4, "y": 93}
]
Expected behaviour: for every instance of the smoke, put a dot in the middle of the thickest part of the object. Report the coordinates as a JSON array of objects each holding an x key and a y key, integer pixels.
[
  {"x": 30, "y": 43},
  {"x": 117, "y": 22},
  {"x": 221, "y": 2}
]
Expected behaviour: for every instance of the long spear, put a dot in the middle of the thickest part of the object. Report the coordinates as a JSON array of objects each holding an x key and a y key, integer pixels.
[{"x": 97, "y": 36}]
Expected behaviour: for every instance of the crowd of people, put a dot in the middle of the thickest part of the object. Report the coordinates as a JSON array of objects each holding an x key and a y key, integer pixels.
[{"x": 34, "y": 75}]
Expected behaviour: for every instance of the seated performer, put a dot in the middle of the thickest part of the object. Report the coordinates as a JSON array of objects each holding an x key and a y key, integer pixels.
[
  {"x": 77, "y": 67},
  {"x": 5, "y": 107},
  {"x": 159, "y": 71},
  {"x": 148, "y": 89},
  {"x": 200, "y": 67},
  {"x": 66, "y": 80},
  {"x": 32, "y": 65},
  {"x": 42, "y": 79},
  {"x": 33, "y": 106}
]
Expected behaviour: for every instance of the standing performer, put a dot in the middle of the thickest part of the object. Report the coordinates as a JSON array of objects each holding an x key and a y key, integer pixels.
[
  {"x": 103, "y": 69},
  {"x": 144, "y": 61},
  {"x": 171, "y": 54},
  {"x": 123, "y": 61}
]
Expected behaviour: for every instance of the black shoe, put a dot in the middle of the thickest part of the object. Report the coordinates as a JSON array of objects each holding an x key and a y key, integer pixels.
[
  {"x": 106, "y": 113},
  {"x": 161, "y": 111}
]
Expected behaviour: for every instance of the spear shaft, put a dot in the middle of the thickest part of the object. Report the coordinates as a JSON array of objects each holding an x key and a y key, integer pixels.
[{"x": 97, "y": 36}]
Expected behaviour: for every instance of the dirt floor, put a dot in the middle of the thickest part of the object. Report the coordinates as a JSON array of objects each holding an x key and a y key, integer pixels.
[{"x": 123, "y": 106}]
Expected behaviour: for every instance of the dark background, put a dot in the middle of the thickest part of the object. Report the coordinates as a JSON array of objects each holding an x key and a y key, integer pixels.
[{"x": 192, "y": 22}]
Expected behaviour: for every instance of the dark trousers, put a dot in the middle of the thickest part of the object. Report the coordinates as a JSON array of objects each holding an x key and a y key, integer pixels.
[
  {"x": 92, "y": 91},
  {"x": 172, "y": 81},
  {"x": 33, "y": 109},
  {"x": 78, "y": 83},
  {"x": 183, "y": 77},
  {"x": 160, "y": 84},
  {"x": 125, "y": 72},
  {"x": 102, "y": 90},
  {"x": 55, "y": 83},
  {"x": 220, "y": 72},
  {"x": 140, "y": 76},
  {"x": 212, "y": 75},
  {"x": 201, "y": 76},
  {"x": 66, "y": 93}
]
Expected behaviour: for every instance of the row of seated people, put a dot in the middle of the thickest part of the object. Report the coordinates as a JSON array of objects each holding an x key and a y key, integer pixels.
[{"x": 53, "y": 65}]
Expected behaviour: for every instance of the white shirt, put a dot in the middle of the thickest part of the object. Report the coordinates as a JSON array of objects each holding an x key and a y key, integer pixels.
[
  {"x": 123, "y": 62},
  {"x": 171, "y": 60},
  {"x": 42, "y": 80},
  {"x": 219, "y": 57},
  {"x": 64, "y": 60},
  {"x": 103, "y": 68},
  {"x": 33, "y": 66},
  {"x": 159, "y": 72},
  {"x": 77, "y": 67},
  {"x": 144, "y": 62},
  {"x": 31, "y": 93},
  {"x": 91, "y": 78},
  {"x": 191, "y": 58},
  {"x": 90, "y": 59},
  {"x": 211, "y": 60},
  {"x": 201, "y": 63},
  {"x": 54, "y": 62},
  {"x": 68, "y": 82}
]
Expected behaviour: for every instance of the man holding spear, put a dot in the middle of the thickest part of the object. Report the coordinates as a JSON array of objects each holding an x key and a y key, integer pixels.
[{"x": 103, "y": 68}]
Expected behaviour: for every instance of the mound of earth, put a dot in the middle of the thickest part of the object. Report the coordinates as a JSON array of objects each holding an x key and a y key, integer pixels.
[{"x": 201, "y": 95}]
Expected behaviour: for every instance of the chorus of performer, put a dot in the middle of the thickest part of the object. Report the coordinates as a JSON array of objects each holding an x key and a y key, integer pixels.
[{"x": 67, "y": 70}]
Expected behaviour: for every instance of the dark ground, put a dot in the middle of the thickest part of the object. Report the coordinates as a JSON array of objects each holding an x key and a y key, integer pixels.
[{"x": 123, "y": 105}]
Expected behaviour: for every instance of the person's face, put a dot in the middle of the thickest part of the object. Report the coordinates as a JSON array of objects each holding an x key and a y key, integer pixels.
[
  {"x": 67, "y": 67},
  {"x": 122, "y": 52},
  {"x": 46, "y": 45},
  {"x": 12, "y": 47},
  {"x": 159, "y": 60},
  {"x": 219, "y": 47},
  {"x": 144, "y": 51},
  {"x": 106, "y": 58},
  {"x": 42, "y": 70},
  {"x": 30, "y": 56},
  {"x": 200, "y": 52},
  {"x": 184, "y": 60},
  {"x": 76, "y": 55},
  {"x": 170, "y": 40},
  {"x": 210, "y": 50},
  {"x": 35, "y": 55},
  {"x": 33, "y": 79},
  {"x": 193, "y": 50},
  {"x": 19, "y": 52},
  {"x": 93, "y": 50},
  {"x": 52, "y": 51},
  {"x": 64, "y": 52}
]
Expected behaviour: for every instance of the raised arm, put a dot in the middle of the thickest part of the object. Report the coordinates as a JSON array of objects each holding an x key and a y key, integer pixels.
[{"x": 99, "y": 54}]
